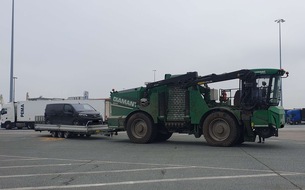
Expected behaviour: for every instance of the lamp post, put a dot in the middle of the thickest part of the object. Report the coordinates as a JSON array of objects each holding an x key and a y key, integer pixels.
[
  {"x": 279, "y": 21},
  {"x": 12, "y": 57},
  {"x": 154, "y": 75},
  {"x": 14, "y": 88}
]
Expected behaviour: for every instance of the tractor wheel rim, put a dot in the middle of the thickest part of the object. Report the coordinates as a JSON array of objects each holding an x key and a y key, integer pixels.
[
  {"x": 219, "y": 129},
  {"x": 139, "y": 129}
]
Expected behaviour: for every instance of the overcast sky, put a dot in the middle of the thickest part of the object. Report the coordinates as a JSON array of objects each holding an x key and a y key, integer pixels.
[{"x": 64, "y": 47}]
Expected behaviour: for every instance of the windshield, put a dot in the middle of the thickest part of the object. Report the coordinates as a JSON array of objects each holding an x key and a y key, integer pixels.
[
  {"x": 269, "y": 90},
  {"x": 261, "y": 92},
  {"x": 83, "y": 107},
  {"x": 275, "y": 91}
]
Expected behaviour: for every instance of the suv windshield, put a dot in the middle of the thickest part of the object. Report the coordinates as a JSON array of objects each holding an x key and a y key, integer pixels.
[{"x": 83, "y": 107}]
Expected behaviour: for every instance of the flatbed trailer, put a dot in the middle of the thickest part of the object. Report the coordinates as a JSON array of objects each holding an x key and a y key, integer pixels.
[{"x": 67, "y": 131}]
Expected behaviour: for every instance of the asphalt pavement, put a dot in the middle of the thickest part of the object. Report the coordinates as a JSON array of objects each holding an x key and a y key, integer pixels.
[{"x": 33, "y": 160}]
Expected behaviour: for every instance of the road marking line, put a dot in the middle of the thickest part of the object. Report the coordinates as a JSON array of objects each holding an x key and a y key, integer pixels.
[
  {"x": 45, "y": 158},
  {"x": 83, "y": 163},
  {"x": 95, "y": 172},
  {"x": 35, "y": 166},
  {"x": 143, "y": 182},
  {"x": 90, "y": 162},
  {"x": 24, "y": 159},
  {"x": 128, "y": 170}
]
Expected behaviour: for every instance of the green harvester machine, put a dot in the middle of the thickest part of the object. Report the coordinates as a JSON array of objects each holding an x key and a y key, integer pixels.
[{"x": 186, "y": 104}]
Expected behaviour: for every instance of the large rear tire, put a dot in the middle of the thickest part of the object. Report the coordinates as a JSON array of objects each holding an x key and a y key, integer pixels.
[
  {"x": 221, "y": 129},
  {"x": 140, "y": 129}
]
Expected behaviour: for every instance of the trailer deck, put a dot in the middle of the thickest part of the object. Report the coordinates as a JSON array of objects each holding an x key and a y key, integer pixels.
[{"x": 58, "y": 130}]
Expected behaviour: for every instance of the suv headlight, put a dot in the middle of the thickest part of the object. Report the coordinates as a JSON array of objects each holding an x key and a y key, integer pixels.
[{"x": 83, "y": 115}]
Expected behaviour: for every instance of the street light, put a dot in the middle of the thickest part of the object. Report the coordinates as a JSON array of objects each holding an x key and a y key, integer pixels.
[
  {"x": 14, "y": 87},
  {"x": 12, "y": 57},
  {"x": 154, "y": 75},
  {"x": 279, "y": 21}
]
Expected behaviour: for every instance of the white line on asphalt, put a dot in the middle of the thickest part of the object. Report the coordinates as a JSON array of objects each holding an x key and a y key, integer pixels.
[
  {"x": 131, "y": 170},
  {"x": 143, "y": 182},
  {"x": 36, "y": 166},
  {"x": 96, "y": 172},
  {"x": 17, "y": 133},
  {"x": 88, "y": 162},
  {"x": 11, "y": 156},
  {"x": 24, "y": 157}
]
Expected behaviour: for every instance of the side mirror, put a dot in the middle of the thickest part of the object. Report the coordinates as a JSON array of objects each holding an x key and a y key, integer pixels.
[{"x": 287, "y": 74}]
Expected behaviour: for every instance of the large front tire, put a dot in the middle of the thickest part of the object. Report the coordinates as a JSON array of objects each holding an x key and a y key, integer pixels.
[
  {"x": 221, "y": 129},
  {"x": 140, "y": 129}
]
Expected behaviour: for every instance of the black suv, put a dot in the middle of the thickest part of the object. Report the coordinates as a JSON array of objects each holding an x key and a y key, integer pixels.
[{"x": 72, "y": 114}]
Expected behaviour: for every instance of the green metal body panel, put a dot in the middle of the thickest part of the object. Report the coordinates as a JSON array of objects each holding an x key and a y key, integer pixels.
[
  {"x": 198, "y": 106},
  {"x": 274, "y": 116},
  {"x": 122, "y": 104}
]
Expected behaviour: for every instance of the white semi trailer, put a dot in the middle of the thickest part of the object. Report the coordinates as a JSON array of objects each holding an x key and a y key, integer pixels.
[{"x": 27, "y": 113}]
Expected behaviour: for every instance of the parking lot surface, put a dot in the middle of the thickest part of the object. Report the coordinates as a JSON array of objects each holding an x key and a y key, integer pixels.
[{"x": 33, "y": 160}]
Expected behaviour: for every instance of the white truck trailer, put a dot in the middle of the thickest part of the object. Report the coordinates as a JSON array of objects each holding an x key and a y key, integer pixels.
[{"x": 27, "y": 113}]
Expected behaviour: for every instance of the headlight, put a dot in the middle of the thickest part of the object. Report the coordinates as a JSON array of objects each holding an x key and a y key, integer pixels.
[{"x": 83, "y": 115}]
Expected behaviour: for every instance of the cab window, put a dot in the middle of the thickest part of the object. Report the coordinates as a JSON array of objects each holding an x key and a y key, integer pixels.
[
  {"x": 68, "y": 108},
  {"x": 4, "y": 111}
]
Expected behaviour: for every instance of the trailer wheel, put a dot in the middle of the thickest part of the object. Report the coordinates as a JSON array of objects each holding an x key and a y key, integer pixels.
[
  {"x": 220, "y": 129},
  {"x": 54, "y": 134},
  {"x": 60, "y": 134},
  {"x": 140, "y": 129},
  {"x": 67, "y": 134}
]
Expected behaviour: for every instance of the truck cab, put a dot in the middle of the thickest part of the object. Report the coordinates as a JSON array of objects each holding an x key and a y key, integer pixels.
[{"x": 8, "y": 116}]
